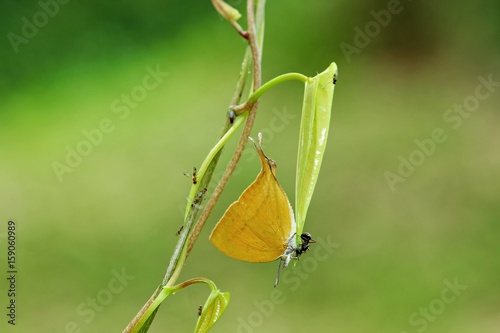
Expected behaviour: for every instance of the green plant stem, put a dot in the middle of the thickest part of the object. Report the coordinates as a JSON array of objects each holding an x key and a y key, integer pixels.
[
  {"x": 211, "y": 155},
  {"x": 148, "y": 311},
  {"x": 232, "y": 20},
  {"x": 211, "y": 161},
  {"x": 265, "y": 87},
  {"x": 166, "y": 291},
  {"x": 152, "y": 306},
  {"x": 256, "y": 62}
]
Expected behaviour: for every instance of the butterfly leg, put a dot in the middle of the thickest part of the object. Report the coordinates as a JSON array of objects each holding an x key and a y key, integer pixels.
[{"x": 281, "y": 261}]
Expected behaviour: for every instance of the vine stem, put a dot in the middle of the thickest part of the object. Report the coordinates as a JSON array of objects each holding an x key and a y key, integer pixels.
[
  {"x": 265, "y": 87},
  {"x": 212, "y": 155},
  {"x": 182, "y": 251},
  {"x": 165, "y": 292},
  {"x": 256, "y": 62},
  {"x": 221, "y": 7}
]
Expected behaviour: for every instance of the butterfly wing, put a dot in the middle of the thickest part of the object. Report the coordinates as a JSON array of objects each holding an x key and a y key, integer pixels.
[{"x": 256, "y": 227}]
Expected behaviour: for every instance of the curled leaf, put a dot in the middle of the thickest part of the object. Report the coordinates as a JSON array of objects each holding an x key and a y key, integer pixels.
[
  {"x": 212, "y": 310},
  {"x": 314, "y": 126}
]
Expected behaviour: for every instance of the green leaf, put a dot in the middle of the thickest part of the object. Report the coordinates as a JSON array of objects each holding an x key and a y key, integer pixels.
[
  {"x": 314, "y": 126},
  {"x": 212, "y": 310}
]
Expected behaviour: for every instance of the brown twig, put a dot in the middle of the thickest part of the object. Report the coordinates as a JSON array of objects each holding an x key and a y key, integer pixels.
[
  {"x": 178, "y": 258},
  {"x": 256, "y": 61}
]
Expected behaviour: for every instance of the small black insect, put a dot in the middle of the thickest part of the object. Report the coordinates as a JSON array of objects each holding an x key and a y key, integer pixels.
[
  {"x": 192, "y": 176},
  {"x": 335, "y": 77},
  {"x": 232, "y": 116},
  {"x": 179, "y": 231},
  {"x": 304, "y": 246}
]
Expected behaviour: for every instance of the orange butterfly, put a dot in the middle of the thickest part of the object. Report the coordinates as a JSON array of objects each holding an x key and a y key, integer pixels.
[{"x": 260, "y": 225}]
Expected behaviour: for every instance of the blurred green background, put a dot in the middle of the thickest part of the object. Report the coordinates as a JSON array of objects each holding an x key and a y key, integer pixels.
[{"x": 399, "y": 246}]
